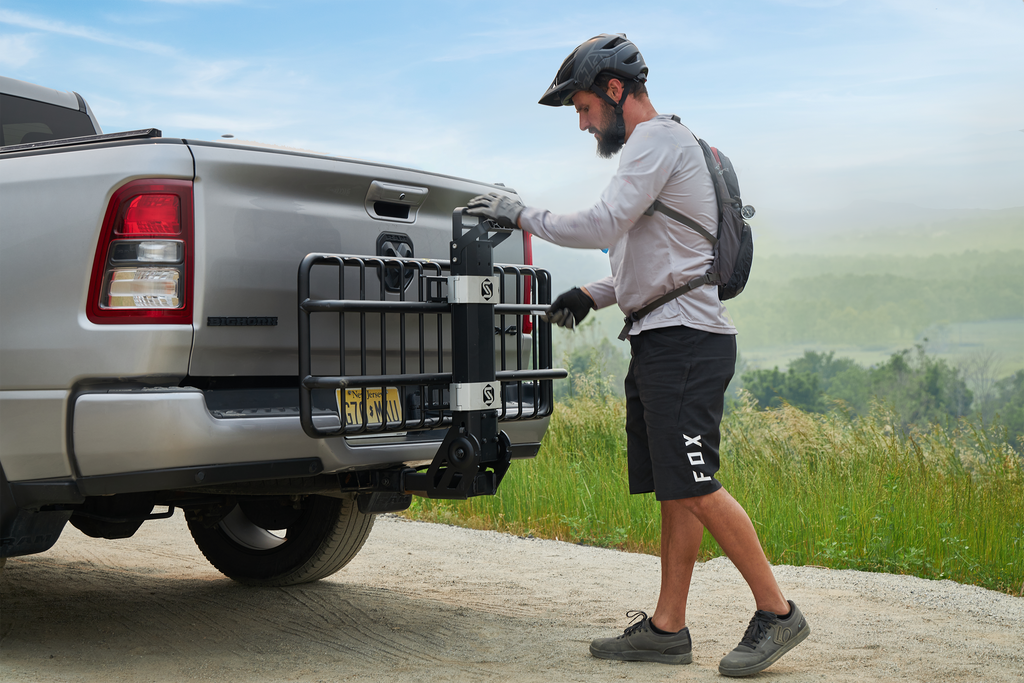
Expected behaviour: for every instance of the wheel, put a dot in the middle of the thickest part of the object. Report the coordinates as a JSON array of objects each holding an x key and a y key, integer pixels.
[{"x": 271, "y": 543}]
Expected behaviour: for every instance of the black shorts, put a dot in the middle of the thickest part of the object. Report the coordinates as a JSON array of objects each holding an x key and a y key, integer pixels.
[{"x": 675, "y": 393}]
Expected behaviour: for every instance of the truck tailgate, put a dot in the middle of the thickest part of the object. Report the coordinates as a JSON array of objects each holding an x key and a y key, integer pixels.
[{"x": 260, "y": 211}]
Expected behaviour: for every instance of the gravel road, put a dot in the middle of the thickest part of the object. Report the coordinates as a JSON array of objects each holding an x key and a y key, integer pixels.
[{"x": 425, "y": 602}]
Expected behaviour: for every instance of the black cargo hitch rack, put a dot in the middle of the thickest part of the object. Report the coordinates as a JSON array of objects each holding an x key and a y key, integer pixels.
[{"x": 468, "y": 301}]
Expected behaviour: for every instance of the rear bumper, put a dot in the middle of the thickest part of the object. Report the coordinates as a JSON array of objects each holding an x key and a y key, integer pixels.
[
  {"x": 166, "y": 440},
  {"x": 160, "y": 429}
]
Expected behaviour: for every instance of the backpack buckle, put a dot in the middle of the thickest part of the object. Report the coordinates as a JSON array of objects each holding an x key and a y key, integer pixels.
[{"x": 628, "y": 320}]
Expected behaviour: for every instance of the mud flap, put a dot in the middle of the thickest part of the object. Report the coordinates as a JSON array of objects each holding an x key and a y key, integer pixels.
[{"x": 33, "y": 531}]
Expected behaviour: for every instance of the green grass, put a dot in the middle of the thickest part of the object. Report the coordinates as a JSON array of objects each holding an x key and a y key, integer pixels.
[
  {"x": 862, "y": 495},
  {"x": 822, "y": 490}
]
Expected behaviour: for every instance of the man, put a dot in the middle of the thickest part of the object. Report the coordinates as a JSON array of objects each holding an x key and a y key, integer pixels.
[{"x": 683, "y": 353}]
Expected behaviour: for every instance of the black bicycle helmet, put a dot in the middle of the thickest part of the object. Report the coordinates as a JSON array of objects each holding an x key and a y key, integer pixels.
[{"x": 610, "y": 52}]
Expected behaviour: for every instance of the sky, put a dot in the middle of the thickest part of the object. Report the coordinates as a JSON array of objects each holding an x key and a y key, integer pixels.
[{"x": 821, "y": 104}]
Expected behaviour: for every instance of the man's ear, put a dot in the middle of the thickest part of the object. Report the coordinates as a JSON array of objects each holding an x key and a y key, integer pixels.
[{"x": 615, "y": 88}]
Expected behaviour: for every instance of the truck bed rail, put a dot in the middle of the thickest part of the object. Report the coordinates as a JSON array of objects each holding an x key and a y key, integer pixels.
[{"x": 140, "y": 134}]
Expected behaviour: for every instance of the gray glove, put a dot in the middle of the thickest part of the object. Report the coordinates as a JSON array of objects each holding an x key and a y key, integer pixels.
[
  {"x": 497, "y": 207},
  {"x": 569, "y": 308}
]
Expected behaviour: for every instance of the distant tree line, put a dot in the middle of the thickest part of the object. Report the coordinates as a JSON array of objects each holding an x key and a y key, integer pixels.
[
  {"x": 870, "y": 301},
  {"x": 919, "y": 388}
]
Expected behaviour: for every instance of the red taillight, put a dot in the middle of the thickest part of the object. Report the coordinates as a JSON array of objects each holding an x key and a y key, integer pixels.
[
  {"x": 528, "y": 281},
  {"x": 142, "y": 271},
  {"x": 152, "y": 214}
]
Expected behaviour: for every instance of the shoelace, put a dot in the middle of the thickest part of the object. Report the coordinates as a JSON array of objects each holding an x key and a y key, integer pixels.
[
  {"x": 639, "y": 618},
  {"x": 759, "y": 627}
]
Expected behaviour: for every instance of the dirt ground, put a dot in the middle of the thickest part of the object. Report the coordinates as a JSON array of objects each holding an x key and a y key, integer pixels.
[{"x": 426, "y": 602}]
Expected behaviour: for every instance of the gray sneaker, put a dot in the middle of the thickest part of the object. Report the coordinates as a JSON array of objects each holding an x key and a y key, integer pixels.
[
  {"x": 767, "y": 638},
  {"x": 639, "y": 643}
]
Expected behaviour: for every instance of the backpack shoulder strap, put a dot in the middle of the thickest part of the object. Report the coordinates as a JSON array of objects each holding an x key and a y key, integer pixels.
[
  {"x": 682, "y": 218},
  {"x": 658, "y": 205}
]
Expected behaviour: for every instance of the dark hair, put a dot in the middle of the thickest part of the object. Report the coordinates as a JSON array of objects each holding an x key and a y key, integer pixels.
[{"x": 605, "y": 77}]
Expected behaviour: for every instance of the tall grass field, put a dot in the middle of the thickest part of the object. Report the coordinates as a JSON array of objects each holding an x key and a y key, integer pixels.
[{"x": 825, "y": 490}]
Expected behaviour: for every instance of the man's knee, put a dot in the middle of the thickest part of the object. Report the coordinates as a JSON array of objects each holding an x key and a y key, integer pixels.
[{"x": 701, "y": 505}]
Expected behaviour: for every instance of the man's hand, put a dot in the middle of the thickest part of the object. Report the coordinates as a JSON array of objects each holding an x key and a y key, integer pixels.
[
  {"x": 501, "y": 209},
  {"x": 570, "y": 308}
]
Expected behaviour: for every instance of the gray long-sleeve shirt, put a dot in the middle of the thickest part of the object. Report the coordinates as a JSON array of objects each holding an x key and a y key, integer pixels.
[{"x": 650, "y": 255}]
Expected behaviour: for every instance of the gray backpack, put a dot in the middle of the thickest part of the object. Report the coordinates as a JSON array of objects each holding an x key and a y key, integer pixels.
[{"x": 734, "y": 246}]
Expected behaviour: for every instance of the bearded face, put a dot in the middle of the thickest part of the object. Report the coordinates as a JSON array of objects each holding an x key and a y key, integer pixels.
[{"x": 608, "y": 142}]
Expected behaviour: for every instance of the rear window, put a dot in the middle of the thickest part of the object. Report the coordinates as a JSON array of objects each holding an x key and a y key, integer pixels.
[{"x": 23, "y": 121}]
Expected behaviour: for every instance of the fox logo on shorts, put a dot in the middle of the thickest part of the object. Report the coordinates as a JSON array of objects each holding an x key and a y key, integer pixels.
[{"x": 696, "y": 457}]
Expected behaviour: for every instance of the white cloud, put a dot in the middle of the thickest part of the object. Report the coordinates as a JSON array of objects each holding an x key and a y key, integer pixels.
[
  {"x": 509, "y": 42},
  {"x": 86, "y": 33},
  {"x": 221, "y": 123},
  {"x": 17, "y": 50},
  {"x": 196, "y": 2},
  {"x": 810, "y": 4}
]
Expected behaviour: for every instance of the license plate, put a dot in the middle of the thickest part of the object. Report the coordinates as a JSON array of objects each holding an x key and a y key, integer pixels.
[{"x": 352, "y": 406}]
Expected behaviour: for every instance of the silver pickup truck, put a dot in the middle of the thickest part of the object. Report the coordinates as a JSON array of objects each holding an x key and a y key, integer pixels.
[{"x": 280, "y": 344}]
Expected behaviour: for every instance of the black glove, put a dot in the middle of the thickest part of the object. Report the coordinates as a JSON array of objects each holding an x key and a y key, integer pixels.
[
  {"x": 570, "y": 308},
  {"x": 501, "y": 209}
]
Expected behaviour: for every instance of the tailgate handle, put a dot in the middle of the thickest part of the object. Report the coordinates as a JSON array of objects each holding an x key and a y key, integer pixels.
[{"x": 391, "y": 202}]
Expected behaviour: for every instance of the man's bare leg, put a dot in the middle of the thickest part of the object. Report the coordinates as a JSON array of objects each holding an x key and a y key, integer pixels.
[
  {"x": 730, "y": 526},
  {"x": 681, "y": 534}
]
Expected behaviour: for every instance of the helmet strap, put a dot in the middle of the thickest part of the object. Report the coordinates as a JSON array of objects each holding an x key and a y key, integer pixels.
[{"x": 620, "y": 122}]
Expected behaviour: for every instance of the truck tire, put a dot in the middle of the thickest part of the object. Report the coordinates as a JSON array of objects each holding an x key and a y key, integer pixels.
[{"x": 310, "y": 544}]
